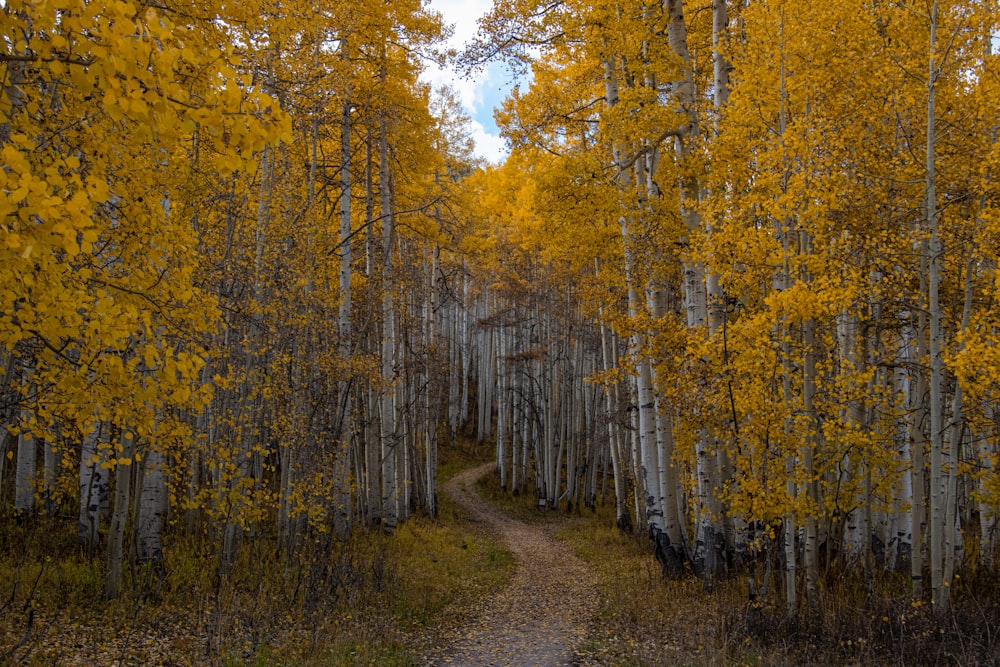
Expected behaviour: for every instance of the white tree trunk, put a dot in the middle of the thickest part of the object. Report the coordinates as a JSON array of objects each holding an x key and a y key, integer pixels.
[
  {"x": 919, "y": 439},
  {"x": 622, "y": 517},
  {"x": 782, "y": 281},
  {"x": 465, "y": 338},
  {"x": 935, "y": 259},
  {"x": 344, "y": 329},
  {"x": 905, "y": 510},
  {"x": 342, "y": 482},
  {"x": 389, "y": 436},
  {"x": 93, "y": 489},
  {"x": 636, "y": 458},
  {"x": 119, "y": 514},
  {"x": 987, "y": 448},
  {"x": 517, "y": 424},
  {"x": 502, "y": 398},
  {"x": 433, "y": 381},
  {"x": 810, "y": 555},
  {"x": 152, "y": 506},
  {"x": 27, "y": 466},
  {"x": 952, "y": 529}
]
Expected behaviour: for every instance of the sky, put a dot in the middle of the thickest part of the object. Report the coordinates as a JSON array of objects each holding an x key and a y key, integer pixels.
[{"x": 482, "y": 93}]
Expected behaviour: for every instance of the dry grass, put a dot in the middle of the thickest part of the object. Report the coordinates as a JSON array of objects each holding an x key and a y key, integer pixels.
[
  {"x": 381, "y": 601},
  {"x": 366, "y": 601},
  {"x": 646, "y": 620}
]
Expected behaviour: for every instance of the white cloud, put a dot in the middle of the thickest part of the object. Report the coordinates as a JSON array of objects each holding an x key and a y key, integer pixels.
[
  {"x": 491, "y": 147},
  {"x": 469, "y": 92},
  {"x": 462, "y": 14},
  {"x": 473, "y": 93}
]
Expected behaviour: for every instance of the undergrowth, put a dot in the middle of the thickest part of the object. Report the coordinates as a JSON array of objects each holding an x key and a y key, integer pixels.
[
  {"x": 646, "y": 619},
  {"x": 368, "y": 600},
  {"x": 524, "y": 506},
  {"x": 377, "y": 600}
]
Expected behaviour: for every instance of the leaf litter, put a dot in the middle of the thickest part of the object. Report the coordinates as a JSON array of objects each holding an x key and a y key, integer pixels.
[{"x": 543, "y": 617}]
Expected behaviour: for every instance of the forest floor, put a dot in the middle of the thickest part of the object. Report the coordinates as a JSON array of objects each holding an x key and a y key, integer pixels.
[
  {"x": 492, "y": 580},
  {"x": 371, "y": 600},
  {"x": 542, "y": 617}
]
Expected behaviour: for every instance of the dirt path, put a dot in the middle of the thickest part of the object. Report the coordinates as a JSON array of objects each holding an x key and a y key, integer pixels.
[{"x": 542, "y": 616}]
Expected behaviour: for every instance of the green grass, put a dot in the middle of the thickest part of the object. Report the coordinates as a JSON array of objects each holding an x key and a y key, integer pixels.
[
  {"x": 452, "y": 461},
  {"x": 524, "y": 506}
]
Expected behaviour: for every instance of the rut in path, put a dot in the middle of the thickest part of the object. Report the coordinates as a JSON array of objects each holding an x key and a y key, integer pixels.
[{"x": 543, "y": 615}]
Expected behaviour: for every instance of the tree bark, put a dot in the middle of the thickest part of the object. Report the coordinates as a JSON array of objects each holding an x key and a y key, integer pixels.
[
  {"x": 935, "y": 260},
  {"x": 952, "y": 529},
  {"x": 152, "y": 506},
  {"x": 26, "y": 471},
  {"x": 622, "y": 517},
  {"x": 389, "y": 440},
  {"x": 119, "y": 513},
  {"x": 93, "y": 486}
]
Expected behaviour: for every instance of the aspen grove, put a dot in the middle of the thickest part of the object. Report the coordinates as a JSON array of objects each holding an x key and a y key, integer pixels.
[
  {"x": 737, "y": 277},
  {"x": 755, "y": 280}
]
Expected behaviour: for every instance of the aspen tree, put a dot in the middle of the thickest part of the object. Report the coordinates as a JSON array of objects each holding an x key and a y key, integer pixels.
[
  {"x": 93, "y": 486},
  {"x": 389, "y": 436},
  {"x": 935, "y": 251},
  {"x": 644, "y": 382},
  {"x": 26, "y": 472},
  {"x": 799, "y": 396},
  {"x": 152, "y": 507},
  {"x": 612, "y": 399},
  {"x": 125, "y": 453}
]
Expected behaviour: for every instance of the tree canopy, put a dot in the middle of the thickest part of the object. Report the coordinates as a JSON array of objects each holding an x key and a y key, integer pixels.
[{"x": 741, "y": 261}]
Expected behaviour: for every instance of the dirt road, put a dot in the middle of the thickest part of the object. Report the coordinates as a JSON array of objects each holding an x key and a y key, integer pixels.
[{"x": 542, "y": 617}]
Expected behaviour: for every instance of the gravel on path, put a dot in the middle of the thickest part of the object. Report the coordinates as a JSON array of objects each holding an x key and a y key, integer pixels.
[{"x": 542, "y": 617}]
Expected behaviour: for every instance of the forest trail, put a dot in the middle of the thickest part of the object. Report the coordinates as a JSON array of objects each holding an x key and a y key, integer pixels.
[{"x": 543, "y": 615}]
